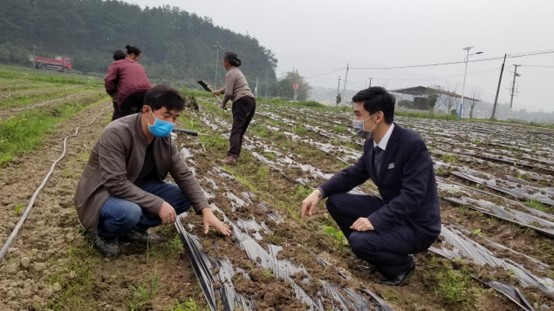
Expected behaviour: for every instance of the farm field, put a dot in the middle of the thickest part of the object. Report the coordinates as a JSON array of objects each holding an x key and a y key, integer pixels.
[{"x": 495, "y": 184}]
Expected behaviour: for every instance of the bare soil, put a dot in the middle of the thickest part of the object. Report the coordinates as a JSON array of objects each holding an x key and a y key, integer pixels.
[{"x": 52, "y": 265}]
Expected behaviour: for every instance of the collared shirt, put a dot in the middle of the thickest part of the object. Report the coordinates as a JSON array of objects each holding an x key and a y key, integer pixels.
[{"x": 385, "y": 140}]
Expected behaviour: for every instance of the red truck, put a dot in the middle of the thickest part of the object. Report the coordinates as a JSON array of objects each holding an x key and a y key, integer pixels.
[{"x": 58, "y": 63}]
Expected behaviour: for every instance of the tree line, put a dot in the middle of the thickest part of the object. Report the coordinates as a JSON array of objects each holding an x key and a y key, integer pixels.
[{"x": 176, "y": 45}]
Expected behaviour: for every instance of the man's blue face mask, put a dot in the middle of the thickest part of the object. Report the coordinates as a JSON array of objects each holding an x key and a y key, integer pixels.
[{"x": 160, "y": 128}]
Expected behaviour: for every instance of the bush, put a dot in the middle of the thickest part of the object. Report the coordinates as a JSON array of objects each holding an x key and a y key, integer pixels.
[{"x": 12, "y": 54}]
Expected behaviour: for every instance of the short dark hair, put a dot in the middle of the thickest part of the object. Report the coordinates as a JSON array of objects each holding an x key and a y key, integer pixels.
[
  {"x": 376, "y": 99},
  {"x": 163, "y": 95},
  {"x": 118, "y": 54},
  {"x": 232, "y": 58},
  {"x": 133, "y": 50}
]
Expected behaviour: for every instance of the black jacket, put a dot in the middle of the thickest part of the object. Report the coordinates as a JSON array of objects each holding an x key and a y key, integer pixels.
[{"x": 406, "y": 184}]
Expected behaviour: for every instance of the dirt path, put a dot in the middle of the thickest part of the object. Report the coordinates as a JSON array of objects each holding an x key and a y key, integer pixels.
[{"x": 50, "y": 260}]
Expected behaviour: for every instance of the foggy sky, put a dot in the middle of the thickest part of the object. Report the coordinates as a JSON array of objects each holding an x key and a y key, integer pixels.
[{"x": 319, "y": 36}]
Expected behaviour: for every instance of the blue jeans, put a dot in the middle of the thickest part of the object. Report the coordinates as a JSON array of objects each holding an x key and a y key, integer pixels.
[{"x": 119, "y": 216}]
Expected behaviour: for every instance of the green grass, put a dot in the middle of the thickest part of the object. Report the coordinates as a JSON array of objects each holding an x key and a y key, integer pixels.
[
  {"x": 19, "y": 208},
  {"x": 535, "y": 204},
  {"x": 189, "y": 305},
  {"x": 25, "y": 131},
  {"x": 340, "y": 129},
  {"x": 449, "y": 158},
  {"x": 50, "y": 93},
  {"x": 12, "y": 72},
  {"x": 142, "y": 294},
  {"x": 452, "y": 286},
  {"x": 426, "y": 115},
  {"x": 301, "y": 192},
  {"x": 76, "y": 279},
  {"x": 336, "y": 234},
  {"x": 217, "y": 143},
  {"x": 196, "y": 93}
]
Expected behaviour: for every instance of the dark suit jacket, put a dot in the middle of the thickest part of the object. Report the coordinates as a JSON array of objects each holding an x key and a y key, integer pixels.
[{"x": 406, "y": 183}]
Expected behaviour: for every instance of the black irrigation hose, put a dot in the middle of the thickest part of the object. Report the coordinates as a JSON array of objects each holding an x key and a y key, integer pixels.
[{"x": 29, "y": 206}]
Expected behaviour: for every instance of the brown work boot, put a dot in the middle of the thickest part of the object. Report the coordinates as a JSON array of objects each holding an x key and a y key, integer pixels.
[{"x": 230, "y": 160}]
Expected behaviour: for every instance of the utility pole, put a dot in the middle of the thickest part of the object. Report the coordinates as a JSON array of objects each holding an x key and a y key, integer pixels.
[
  {"x": 34, "y": 55},
  {"x": 256, "y": 88},
  {"x": 295, "y": 86},
  {"x": 345, "y": 80},
  {"x": 498, "y": 88},
  {"x": 338, "y": 87},
  {"x": 217, "y": 47},
  {"x": 339, "y": 99},
  {"x": 266, "y": 78},
  {"x": 514, "y": 85},
  {"x": 370, "y": 79}
]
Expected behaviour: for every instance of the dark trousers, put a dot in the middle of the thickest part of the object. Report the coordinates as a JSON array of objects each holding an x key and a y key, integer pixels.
[
  {"x": 116, "y": 112},
  {"x": 388, "y": 250},
  {"x": 132, "y": 104},
  {"x": 243, "y": 111}
]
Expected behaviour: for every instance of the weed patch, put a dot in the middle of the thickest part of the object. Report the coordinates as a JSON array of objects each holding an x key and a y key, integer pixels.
[{"x": 26, "y": 131}]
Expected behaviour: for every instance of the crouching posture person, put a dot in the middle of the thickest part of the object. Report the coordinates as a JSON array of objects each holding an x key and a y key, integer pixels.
[
  {"x": 405, "y": 219},
  {"x": 122, "y": 191}
]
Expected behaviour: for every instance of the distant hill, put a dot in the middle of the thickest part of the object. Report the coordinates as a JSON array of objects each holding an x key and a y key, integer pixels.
[{"x": 176, "y": 45}]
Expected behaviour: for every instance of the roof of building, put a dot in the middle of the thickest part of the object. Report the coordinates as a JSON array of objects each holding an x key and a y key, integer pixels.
[{"x": 423, "y": 90}]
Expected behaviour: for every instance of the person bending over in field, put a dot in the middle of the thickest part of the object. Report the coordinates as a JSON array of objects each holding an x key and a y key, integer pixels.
[
  {"x": 126, "y": 79},
  {"x": 122, "y": 191},
  {"x": 405, "y": 219},
  {"x": 244, "y": 104},
  {"x": 117, "y": 55}
]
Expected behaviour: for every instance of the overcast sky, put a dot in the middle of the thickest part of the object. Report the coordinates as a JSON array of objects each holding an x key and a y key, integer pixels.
[{"x": 321, "y": 36}]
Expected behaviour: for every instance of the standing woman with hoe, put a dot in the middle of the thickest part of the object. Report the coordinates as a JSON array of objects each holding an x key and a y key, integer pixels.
[
  {"x": 127, "y": 81},
  {"x": 244, "y": 104}
]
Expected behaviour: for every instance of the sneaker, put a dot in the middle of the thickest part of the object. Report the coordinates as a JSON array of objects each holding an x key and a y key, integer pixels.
[
  {"x": 107, "y": 247},
  {"x": 140, "y": 236},
  {"x": 230, "y": 160}
]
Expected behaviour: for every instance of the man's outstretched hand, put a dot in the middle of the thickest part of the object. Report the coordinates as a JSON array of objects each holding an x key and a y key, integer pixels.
[
  {"x": 209, "y": 219},
  {"x": 310, "y": 203}
]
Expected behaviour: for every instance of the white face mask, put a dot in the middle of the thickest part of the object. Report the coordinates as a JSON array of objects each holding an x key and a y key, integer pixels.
[{"x": 358, "y": 126}]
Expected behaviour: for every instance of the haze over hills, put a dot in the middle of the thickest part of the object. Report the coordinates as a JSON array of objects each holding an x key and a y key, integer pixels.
[
  {"x": 482, "y": 110},
  {"x": 176, "y": 45},
  {"x": 178, "y": 48}
]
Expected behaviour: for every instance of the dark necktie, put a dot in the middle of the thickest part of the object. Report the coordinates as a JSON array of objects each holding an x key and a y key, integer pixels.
[{"x": 377, "y": 159}]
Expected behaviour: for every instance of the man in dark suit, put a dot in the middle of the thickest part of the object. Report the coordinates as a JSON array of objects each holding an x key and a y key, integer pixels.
[{"x": 405, "y": 219}]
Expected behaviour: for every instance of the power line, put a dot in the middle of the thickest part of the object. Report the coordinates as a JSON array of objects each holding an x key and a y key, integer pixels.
[
  {"x": 455, "y": 62},
  {"x": 437, "y": 77},
  {"x": 517, "y": 55},
  {"x": 538, "y": 66},
  {"x": 325, "y": 73}
]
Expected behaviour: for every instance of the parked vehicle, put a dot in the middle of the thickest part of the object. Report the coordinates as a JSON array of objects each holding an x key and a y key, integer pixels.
[{"x": 58, "y": 63}]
